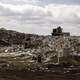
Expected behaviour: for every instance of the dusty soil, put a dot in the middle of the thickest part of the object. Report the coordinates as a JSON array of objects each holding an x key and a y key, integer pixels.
[{"x": 25, "y": 75}]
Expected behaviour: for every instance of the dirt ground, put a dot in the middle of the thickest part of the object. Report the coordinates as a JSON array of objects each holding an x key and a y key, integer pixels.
[{"x": 23, "y": 75}]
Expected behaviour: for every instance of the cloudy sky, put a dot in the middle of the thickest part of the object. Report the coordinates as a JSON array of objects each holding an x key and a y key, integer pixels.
[{"x": 40, "y": 16}]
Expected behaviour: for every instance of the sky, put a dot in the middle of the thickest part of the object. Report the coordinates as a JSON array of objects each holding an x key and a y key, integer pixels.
[{"x": 40, "y": 16}]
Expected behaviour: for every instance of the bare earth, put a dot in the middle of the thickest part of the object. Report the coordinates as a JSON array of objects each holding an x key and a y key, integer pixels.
[{"x": 23, "y": 75}]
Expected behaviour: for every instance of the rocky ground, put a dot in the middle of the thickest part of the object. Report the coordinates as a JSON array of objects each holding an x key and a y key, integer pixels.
[{"x": 19, "y": 50}]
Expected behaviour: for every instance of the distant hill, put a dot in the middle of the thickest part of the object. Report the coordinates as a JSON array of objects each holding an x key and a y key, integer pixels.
[{"x": 12, "y": 37}]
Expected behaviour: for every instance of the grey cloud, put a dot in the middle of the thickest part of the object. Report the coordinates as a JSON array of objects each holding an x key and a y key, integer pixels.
[
  {"x": 41, "y": 20},
  {"x": 21, "y": 2}
]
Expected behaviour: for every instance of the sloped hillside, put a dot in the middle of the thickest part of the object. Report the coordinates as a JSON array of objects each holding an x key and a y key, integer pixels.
[{"x": 13, "y": 37}]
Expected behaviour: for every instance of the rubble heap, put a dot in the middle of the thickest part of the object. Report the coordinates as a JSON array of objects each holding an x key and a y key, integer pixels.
[{"x": 31, "y": 50}]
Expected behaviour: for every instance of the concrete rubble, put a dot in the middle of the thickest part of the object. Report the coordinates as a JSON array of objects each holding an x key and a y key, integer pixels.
[{"x": 48, "y": 47}]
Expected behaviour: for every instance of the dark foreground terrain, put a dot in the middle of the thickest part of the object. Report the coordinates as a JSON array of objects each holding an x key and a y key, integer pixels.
[{"x": 27, "y": 75}]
